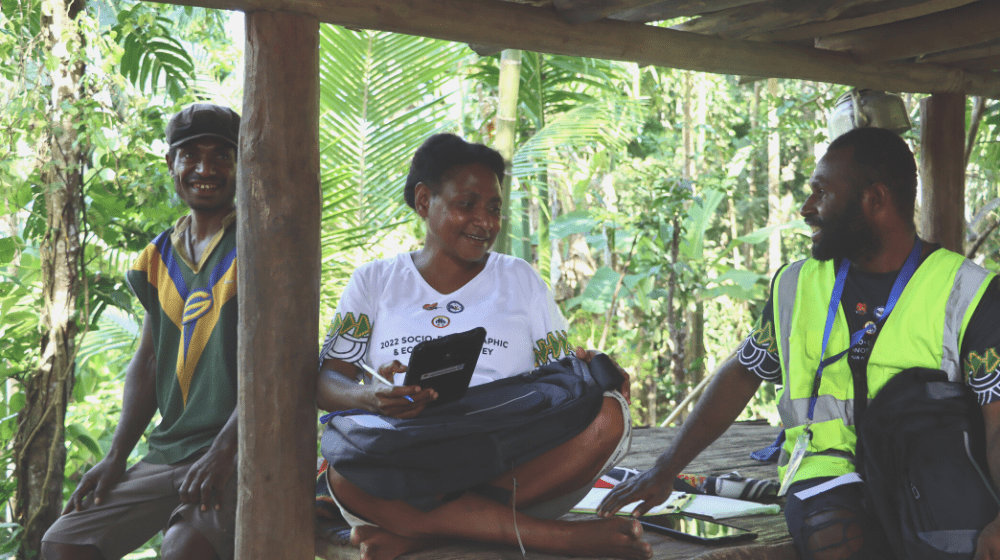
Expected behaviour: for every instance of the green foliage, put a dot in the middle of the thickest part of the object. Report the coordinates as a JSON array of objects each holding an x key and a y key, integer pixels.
[
  {"x": 128, "y": 199},
  {"x": 151, "y": 52},
  {"x": 983, "y": 186},
  {"x": 634, "y": 213},
  {"x": 381, "y": 96}
]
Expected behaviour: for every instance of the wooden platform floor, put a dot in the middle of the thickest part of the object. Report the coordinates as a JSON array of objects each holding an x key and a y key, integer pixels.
[{"x": 730, "y": 453}]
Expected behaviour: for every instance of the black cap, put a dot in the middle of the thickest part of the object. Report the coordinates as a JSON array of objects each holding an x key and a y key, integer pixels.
[{"x": 204, "y": 120}]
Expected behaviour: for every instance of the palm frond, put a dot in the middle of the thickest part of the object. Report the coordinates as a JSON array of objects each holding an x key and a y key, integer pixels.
[
  {"x": 610, "y": 123},
  {"x": 117, "y": 330},
  {"x": 381, "y": 95}
]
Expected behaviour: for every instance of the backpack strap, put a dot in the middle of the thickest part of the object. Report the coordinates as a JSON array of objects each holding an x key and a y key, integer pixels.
[{"x": 860, "y": 406}]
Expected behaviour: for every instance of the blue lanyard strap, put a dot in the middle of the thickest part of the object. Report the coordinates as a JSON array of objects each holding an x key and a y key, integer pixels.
[{"x": 902, "y": 279}]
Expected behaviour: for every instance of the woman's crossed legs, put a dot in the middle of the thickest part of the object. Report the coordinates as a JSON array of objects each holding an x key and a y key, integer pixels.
[{"x": 400, "y": 528}]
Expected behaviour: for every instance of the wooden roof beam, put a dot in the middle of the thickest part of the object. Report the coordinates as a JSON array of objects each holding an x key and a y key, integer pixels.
[
  {"x": 968, "y": 25},
  {"x": 641, "y": 10},
  {"x": 984, "y": 64},
  {"x": 737, "y": 23},
  {"x": 517, "y": 26},
  {"x": 991, "y": 48},
  {"x": 824, "y": 28}
]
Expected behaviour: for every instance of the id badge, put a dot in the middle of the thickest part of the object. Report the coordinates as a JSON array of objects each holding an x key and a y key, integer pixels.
[{"x": 798, "y": 452}]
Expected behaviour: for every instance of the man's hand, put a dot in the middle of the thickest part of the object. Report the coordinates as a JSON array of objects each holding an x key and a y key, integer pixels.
[
  {"x": 988, "y": 545},
  {"x": 100, "y": 480},
  {"x": 206, "y": 480},
  {"x": 393, "y": 401},
  {"x": 626, "y": 388},
  {"x": 652, "y": 487}
]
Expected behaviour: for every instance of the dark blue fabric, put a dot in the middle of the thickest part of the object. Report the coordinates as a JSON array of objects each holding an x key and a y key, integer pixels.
[
  {"x": 463, "y": 444},
  {"x": 770, "y": 453},
  {"x": 846, "y": 499}
]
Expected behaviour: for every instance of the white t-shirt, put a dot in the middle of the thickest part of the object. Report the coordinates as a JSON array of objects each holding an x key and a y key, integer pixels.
[{"x": 388, "y": 308}]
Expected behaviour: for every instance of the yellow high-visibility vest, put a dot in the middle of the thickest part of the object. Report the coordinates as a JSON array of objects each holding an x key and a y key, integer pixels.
[{"x": 925, "y": 329}]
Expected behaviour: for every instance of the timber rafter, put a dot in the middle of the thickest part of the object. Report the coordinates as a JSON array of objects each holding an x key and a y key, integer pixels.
[{"x": 957, "y": 28}]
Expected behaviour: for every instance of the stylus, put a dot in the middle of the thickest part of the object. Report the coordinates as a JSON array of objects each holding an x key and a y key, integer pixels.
[{"x": 375, "y": 374}]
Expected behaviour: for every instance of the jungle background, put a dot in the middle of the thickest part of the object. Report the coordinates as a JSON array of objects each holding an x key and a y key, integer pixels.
[{"x": 657, "y": 203}]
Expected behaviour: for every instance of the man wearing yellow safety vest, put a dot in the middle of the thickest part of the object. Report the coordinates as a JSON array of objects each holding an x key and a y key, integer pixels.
[{"x": 865, "y": 252}]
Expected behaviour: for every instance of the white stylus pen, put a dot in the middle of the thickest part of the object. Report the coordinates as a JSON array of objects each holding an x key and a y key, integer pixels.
[{"x": 375, "y": 374}]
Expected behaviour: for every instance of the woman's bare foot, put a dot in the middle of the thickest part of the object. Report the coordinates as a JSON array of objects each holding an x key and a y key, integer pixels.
[
  {"x": 617, "y": 537},
  {"x": 378, "y": 544}
]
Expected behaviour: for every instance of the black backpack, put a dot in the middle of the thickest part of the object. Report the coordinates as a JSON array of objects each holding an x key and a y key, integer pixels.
[
  {"x": 922, "y": 449},
  {"x": 463, "y": 444}
]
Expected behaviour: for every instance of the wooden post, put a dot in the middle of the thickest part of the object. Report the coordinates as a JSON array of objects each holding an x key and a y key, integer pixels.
[
  {"x": 942, "y": 169},
  {"x": 278, "y": 204}
]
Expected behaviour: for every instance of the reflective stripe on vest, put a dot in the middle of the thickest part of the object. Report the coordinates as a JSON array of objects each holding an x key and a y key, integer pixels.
[
  {"x": 940, "y": 299},
  {"x": 970, "y": 282}
]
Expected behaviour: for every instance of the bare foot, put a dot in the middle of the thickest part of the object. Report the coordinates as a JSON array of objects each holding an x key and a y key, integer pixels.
[
  {"x": 617, "y": 537},
  {"x": 378, "y": 544}
]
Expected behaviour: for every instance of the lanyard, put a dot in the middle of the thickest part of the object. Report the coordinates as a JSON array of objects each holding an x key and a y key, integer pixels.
[{"x": 838, "y": 290}]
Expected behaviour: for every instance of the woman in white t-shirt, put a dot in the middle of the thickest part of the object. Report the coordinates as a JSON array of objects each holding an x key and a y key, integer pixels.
[{"x": 454, "y": 283}]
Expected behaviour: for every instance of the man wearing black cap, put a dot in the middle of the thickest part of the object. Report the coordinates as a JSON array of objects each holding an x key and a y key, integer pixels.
[{"x": 185, "y": 368}]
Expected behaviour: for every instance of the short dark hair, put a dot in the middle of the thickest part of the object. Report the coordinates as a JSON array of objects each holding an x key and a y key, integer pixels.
[
  {"x": 882, "y": 156},
  {"x": 441, "y": 153}
]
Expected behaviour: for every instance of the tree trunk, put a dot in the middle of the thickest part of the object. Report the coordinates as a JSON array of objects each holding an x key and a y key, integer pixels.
[
  {"x": 691, "y": 334},
  {"x": 544, "y": 252},
  {"x": 748, "y": 224},
  {"x": 687, "y": 136},
  {"x": 773, "y": 178},
  {"x": 506, "y": 127},
  {"x": 695, "y": 352},
  {"x": 734, "y": 229},
  {"x": 544, "y": 219},
  {"x": 39, "y": 443},
  {"x": 675, "y": 310}
]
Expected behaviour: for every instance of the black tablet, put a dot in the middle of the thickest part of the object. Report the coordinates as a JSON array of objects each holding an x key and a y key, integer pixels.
[
  {"x": 699, "y": 531},
  {"x": 446, "y": 364}
]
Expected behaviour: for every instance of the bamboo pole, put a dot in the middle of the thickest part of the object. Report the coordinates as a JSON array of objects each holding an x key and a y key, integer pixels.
[
  {"x": 687, "y": 400},
  {"x": 506, "y": 132}
]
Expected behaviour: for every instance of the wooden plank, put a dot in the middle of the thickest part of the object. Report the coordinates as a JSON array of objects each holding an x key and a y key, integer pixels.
[
  {"x": 729, "y": 453},
  {"x": 960, "y": 27},
  {"x": 984, "y": 50},
  {"x": 980, "y": 64},
  {"x": 942, "y": 170},
  {"x": 278, "y": 245},
  {"x": 510, "y": 25},
  {"x": 744, "y": 21},
  {"x": 580, "y": 11},
  {"x": 822, "y": 29}
]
